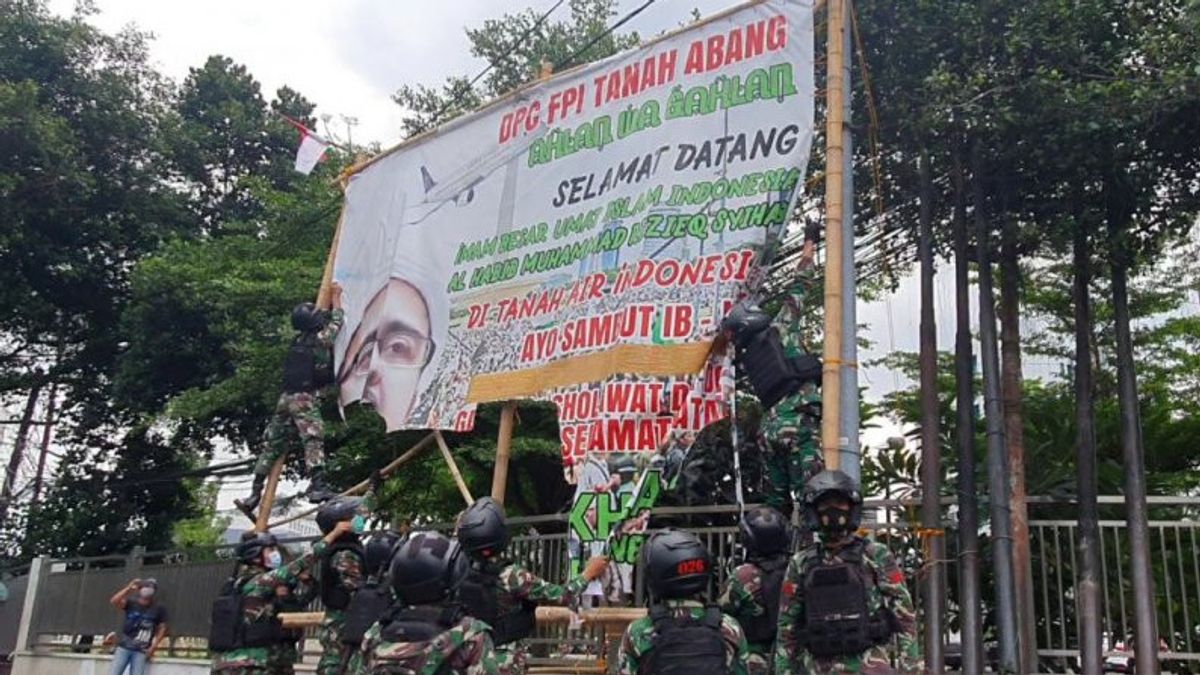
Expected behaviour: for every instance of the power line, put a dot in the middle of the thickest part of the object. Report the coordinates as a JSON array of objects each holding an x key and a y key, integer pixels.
[
  {"x": 491, "y": 64},
  {"x": 570, "y": 60}
]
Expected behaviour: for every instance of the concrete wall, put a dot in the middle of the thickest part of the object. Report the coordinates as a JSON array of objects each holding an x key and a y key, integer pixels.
[{"x": 29, "y": 663}]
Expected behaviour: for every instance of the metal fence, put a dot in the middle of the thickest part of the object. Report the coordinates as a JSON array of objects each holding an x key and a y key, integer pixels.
[{"x": 72, "y": 597}]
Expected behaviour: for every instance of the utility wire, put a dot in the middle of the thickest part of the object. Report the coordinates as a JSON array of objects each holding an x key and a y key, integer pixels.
[
  {"x": 571, "y": 59},
  {"x": 491, "y": 64}
]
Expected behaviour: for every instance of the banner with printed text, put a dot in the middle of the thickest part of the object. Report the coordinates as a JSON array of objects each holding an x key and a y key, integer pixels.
[{"x": 580, "y": 240}]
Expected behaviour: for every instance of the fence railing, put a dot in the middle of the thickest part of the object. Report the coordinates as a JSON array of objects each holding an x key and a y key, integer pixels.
[{"x": 71, "y": 598}]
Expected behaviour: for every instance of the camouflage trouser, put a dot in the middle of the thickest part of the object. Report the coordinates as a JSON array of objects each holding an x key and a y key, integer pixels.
[
  {"x": 295, "y": 413},
  {"x": 256, "y": 670},
  {"x": 513, "y": 659},
  {"x": 332, "y": 648},
  {"x": 873, "y": 662},
  {"x": 792, "y": 459}
]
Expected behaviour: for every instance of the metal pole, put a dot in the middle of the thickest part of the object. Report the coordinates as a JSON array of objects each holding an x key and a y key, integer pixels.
[
  {"x": 1089, "y": 601},
  {"x": 970, "y": 619},
  {"x": 997, "y": 456},
  {"x": 834, "y": 174},
  {"x": 1014, "y": 437},
  {"x": 931, "y": 467},
  {"x": 1144, "y": 619},
  {"x": 848, "y": 437}
]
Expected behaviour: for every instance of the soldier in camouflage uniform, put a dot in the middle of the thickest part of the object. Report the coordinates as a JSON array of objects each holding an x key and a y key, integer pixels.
[
  {"x": 752, "y": 591},
  {"x": 292, "y": 599},
  {"x": 504, "y": 595},
  {"x": 791, "y": 427},
  {"x": 843, "y": 575},
  {"x": 341, "y": 575},
  {"x": 306, "y": 372},
  {"x": 426, "y": 632},
  {"x": 680, "y": 634},
  {"x": 258, "y": 579}
]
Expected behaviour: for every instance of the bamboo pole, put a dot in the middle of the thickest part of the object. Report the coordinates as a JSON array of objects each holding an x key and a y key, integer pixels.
[
  {"x": 268, "y": 499},
  {"x": 503, "y": 452},
  {"x": 609, "y": 616},
  {"x": 834, "y": 206},
  {"x": 458, "y": 479},
  {"x": 362, "y": 485}
]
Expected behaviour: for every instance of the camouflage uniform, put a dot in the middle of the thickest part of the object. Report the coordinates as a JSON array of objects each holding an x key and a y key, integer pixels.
[
  {"x": 639, "y": 638},
  {"x": 301, "y": 412},
  {"x": 791, "y": 428},
  {"x": 889, "y": 590},
  {"x": 518, "y": 584},
  {"x": 297, "y": 598},
  {"x": 262, "y": 586},
  {"x": 741, "y": 601},
  {"x": 466, "y": 648},
  {"x": 346, "y": 566}
]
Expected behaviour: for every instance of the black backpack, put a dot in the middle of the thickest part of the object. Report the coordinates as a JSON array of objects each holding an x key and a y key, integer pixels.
[
  {"x": 685, "y": 645},
  {"x": 760, "y": 630}
]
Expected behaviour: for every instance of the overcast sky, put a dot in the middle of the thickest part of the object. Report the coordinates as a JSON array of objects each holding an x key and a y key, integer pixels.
[{"x": 349, "y": 56}]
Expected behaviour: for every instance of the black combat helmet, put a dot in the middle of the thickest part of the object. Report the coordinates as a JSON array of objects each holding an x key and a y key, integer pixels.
[
  {"x": 336, "y": 510},
  {"x": 677, "y": 565},
  {"x": 306, "y": 317},
  {"x": 745, "y": 320},
  {"x": 482, "y": 529},
  {"x": 764, "y": 532},
  {"x": 829, "y": 483},
  {"x": 427, "y": 568},
  {"x": 250, "y": 550},
  {"x": 377, "y": 553}
]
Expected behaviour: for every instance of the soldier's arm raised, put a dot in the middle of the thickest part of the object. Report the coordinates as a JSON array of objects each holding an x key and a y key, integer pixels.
[{"x": 791, "y": 615}]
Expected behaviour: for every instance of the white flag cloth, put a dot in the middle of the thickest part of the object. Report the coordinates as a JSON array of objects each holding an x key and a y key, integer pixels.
[{"x": 312, "y": 149}]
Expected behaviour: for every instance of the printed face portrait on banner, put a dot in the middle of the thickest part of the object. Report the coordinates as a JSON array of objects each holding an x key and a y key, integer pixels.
[{"x": 580, "y": 241}]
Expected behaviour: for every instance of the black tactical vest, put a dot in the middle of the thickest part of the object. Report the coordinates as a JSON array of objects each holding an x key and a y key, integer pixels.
[
  {"x": 369, "y": 604},
  {"x": 229, "y": 628},
  {"x": 479, "y": 594},
  {"x": 685, "y": 645},
  {"x": 760, "y": 630},
  {"x": 836, "y": 621},
  {"x": 773, "y": 375},
  {"x": 308, "y": 366},
  {"x": 333, "y": 596},
  {"x": 419, "y": 625}
]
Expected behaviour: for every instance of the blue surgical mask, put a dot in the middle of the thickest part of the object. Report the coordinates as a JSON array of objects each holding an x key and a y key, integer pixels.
[
  {"x": 274, "y": 560},
  {"x": 358, "y": 524}
]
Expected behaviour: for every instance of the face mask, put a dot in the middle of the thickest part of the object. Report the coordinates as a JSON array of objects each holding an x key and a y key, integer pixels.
[
  {"x": 274, "y": 560},
  {"x": 834, "y": 520},
  {"x": 358, "y": 524}
]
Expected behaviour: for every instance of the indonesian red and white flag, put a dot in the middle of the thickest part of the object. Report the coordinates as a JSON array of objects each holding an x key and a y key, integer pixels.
[{"x": 312, "y": 147}]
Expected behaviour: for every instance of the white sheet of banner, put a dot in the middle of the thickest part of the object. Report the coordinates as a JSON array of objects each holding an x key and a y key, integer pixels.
[{"x": 580, "y": 240}]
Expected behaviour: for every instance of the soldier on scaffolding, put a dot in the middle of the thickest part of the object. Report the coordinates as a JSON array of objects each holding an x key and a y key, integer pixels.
[
  {"x": 307, "y": 370},
  {"x": 785, "y": 377}
]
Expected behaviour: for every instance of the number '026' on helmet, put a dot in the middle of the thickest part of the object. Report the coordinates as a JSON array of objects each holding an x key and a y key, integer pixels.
[{"x": 676, "y": 564}]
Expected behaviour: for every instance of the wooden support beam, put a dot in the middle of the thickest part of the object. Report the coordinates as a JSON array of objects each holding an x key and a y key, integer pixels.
[
  {"x": 458, "y": 479},
  {"x": 268, "y": 497},
  {"x": 362, "y": 486},
  {"x": 503, "y": 451},
  {"x": 608, "y": 616}
]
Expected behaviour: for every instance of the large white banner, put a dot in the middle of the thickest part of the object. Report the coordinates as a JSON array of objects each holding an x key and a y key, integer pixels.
[{"x": 580, "y": 240}]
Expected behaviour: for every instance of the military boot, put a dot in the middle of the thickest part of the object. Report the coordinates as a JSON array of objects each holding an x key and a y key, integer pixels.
[
  {"x": 318, "y": 490},
  {"x": 250, "y": 503}
]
